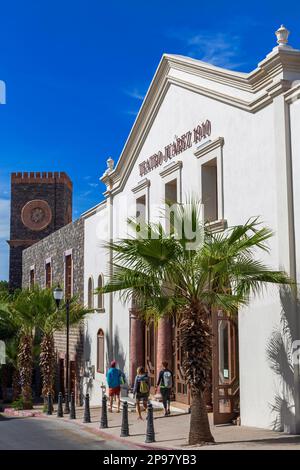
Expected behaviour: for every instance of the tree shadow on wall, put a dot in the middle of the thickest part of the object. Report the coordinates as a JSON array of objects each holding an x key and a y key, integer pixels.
[
  {"x": 88, "y": 378},
  {"x": 80, "y": 364},
  {"x": 279, "y": 356}
]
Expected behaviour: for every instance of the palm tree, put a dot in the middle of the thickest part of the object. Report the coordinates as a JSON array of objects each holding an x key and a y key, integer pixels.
[
  {"x": 8, "y": 334},
  {"x": 24, "y": 317},
  {"x": 33, "y": 317},
  {"x": 52, "y": 319},
  {"x": 162, "y": 271},
  {"x": 11, "y": 350}
]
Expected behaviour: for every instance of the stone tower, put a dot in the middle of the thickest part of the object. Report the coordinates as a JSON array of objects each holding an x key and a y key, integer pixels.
[{"x": 41, "y": 203}]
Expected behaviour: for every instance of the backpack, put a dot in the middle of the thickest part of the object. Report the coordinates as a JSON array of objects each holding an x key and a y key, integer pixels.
[
  {"x": 167, "y": 376},
  {"x": 144, "y": 386}
]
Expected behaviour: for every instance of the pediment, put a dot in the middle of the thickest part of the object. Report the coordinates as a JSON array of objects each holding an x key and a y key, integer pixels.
[{"x": 249, "y": 92}]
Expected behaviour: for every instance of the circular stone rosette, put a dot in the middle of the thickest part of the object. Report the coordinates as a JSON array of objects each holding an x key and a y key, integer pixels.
[{"x": 36, "y": 215}]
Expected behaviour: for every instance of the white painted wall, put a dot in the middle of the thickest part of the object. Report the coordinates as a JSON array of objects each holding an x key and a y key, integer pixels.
[
  {"x": 251, "y": 176},
  {"x": 95, "y": 263}
]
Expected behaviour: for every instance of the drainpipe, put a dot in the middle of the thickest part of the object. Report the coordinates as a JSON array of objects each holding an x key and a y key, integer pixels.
[
  {"x": 292, "y": 253},
  {"x": 111, "y": 303}
]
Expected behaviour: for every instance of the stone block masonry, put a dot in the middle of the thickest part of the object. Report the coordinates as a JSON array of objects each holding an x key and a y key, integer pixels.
[
  {"x": 41, "y": 203},
  {"x": 53, "y": 249}
]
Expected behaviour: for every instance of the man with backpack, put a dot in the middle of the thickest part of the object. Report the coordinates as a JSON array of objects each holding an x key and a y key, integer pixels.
[
  {"x": 165, "y": 382},
  {"x": 114, "y": 379},
  {"x": 141, "y": 390}
]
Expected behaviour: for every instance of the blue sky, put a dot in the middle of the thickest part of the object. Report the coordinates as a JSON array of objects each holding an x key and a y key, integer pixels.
[{"x": 76, "y": 73}]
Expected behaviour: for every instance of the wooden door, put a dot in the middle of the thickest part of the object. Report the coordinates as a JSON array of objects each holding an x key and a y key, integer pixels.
[
  {"x": 182, "y": 391},
  {"x": 73, "y": 377},
  {"x": 61, "y": 366},
  {"x": 150, "y": 353},
  {"x": 225, "y": 368}
]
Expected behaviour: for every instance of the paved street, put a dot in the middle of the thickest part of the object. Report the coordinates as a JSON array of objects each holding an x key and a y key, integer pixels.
[{"x": 46, "y": 434}]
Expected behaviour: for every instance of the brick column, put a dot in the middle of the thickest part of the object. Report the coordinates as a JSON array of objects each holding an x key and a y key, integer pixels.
[
  {"x": 164, "y": 343},
  {"x": 137, "y": 345}
]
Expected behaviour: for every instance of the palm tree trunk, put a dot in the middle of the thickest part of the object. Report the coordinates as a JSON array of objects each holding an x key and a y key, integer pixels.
[
  {"x": 195, "y": 341},
  {"x": 47, "y": 364},
  {"x": 4, "y": 377},
  {"x": 16, "y": 390},
  {"x": 199, "y": 425},
  {"x": 25, "y": 366}
]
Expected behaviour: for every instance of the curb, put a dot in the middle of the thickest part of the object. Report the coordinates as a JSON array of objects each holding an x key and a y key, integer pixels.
[
  {"x": 99, "y": 432},
  {"x": 109, "y": 436},
  {"x": 21, "y": 413}
]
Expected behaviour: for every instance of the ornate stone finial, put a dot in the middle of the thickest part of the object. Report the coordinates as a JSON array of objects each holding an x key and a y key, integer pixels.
[
  {"x": 282, "y": 35},
  {"x": 110, "y": 168},
  {"x": 110, "y": 164}
]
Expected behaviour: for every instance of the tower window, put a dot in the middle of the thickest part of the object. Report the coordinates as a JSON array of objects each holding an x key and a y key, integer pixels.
[
  {"x": 210, "y": 190},
  {"x": 68, "y": 276},
  {"x": 170, "y": 199},
  {"x": 31, "y": 278},
  {"x": 171, "y": 192},
  {"x": 141, "y": 209},
  {"x": 100, "y": 296},
  {"x": 100, "y": 351},
  {"x": 90, "y": 293},
  {"x": 48, "y": 275}
]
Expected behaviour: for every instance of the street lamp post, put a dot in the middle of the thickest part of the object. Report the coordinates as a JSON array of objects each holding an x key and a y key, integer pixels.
[
  {"x": 67, "y": 347},
  {"x": 58, "y": 294}
]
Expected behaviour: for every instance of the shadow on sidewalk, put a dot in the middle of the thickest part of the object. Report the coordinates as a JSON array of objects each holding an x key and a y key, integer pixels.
[
  {"x": 275, "y": 440},
  {"x": 8, "y": 418}
]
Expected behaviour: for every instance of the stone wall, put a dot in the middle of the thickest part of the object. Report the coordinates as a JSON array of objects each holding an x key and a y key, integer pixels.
[
  {"x": 53, "y": 188},
  {"x": 70, "y": 237}
]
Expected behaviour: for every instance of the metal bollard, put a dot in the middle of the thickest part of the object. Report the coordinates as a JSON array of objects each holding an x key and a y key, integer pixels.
[
  {"x": 150, "y": 434},
  {"x": 125, "y": 424},
  {"x": 49, "y": 404},
  {"x": 87, "y": 414},
  {"x": 103, "y": 421},
  {"x": 72, "y": 410},
  {"x": 67, "y": 405},
  {"x": 60, "y": 413}
]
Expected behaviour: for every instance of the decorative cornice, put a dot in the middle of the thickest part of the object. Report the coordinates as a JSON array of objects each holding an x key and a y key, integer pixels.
[
  {"x": 170, "y": 168},
  {"x": 94, "y": 210},
  {"x": 217, "y": 225},
  {"x": 143, "y": 184},
  {"x": 209, "y": 147},
  {"x": 25, "y": 243},
  {"x": 293, "y": 94},
  {"x": 266, "y": 81}
]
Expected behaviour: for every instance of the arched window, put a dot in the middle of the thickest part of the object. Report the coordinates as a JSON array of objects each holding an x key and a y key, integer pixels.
[
  {"x": 100, "y": 351},
  {"x": 100, "y": 296},
  {"x": 90, "y": 293}
]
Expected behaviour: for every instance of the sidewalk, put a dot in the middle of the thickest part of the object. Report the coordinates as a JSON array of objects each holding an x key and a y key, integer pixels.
[{"x": 172, "y": 432}]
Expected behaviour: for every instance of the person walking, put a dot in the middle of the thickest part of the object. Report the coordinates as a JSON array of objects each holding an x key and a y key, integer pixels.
[
  {"x": 114, "y": 379},
  {"x": 165, "y": 382},
  {"x": 141, "y": 390}
]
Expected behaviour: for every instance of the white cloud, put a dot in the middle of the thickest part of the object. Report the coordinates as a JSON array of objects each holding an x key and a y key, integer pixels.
[
  {"x": 86, "y": 193},
  {"x": 4, "y": 218},
  {"x": 93, "y": 185},
  {"x": 131, "y": 112},
  {"x": 135, "y": 93},
  {"x": 221, "y": 49}
]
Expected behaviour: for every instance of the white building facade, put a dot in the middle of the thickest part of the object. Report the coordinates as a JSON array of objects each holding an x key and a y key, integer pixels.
[{"x": 232, "y": 140}]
